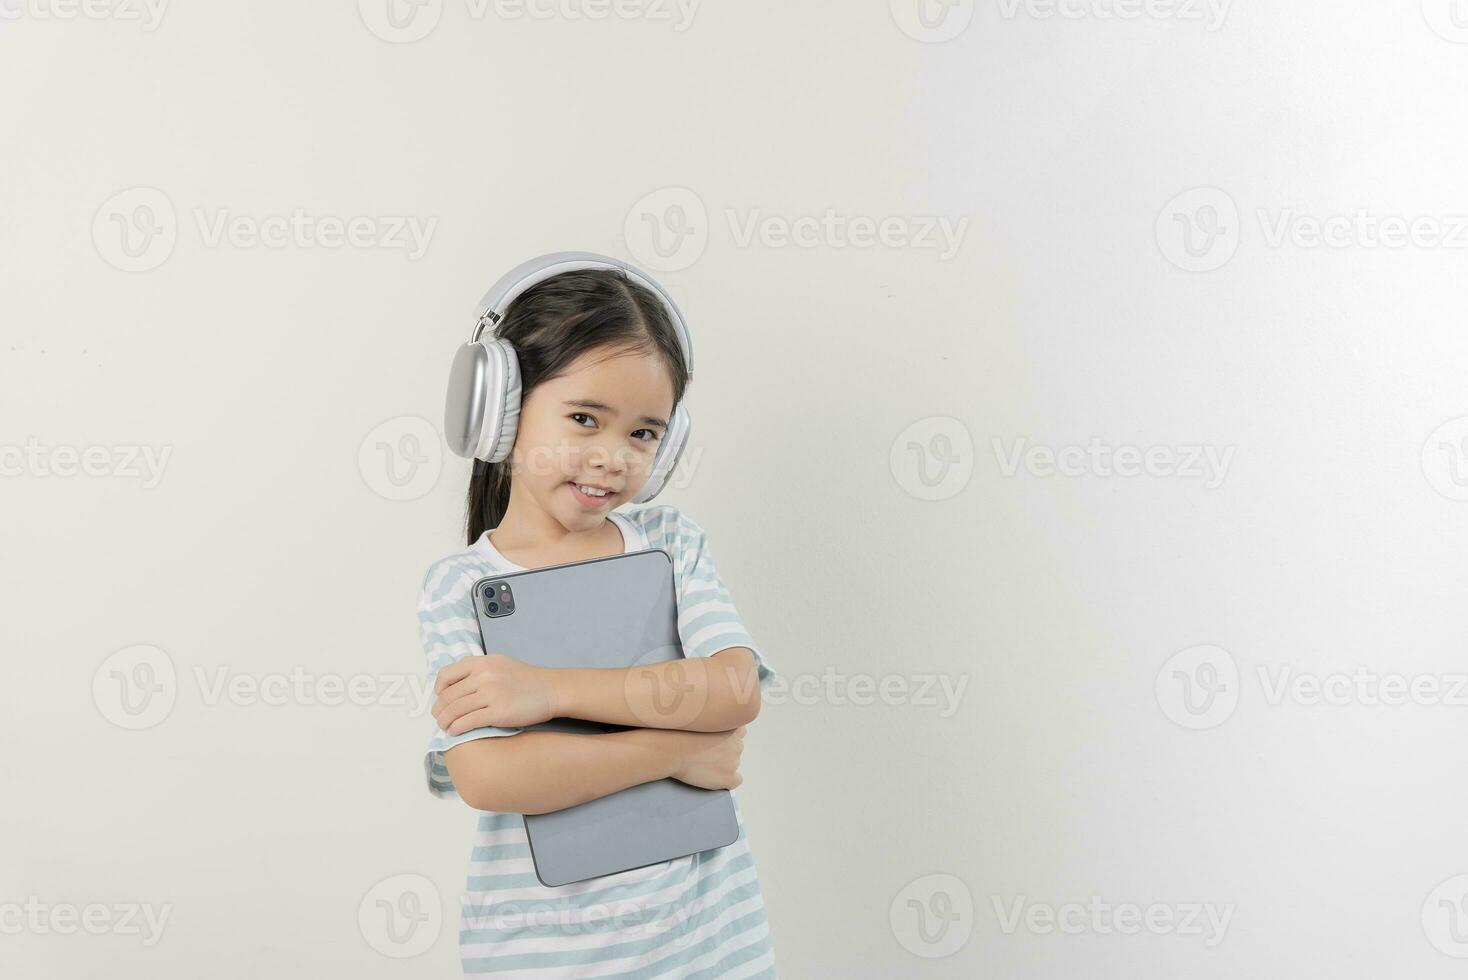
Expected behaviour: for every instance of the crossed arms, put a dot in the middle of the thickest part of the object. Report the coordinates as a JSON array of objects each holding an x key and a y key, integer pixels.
[{"x": 686, "y": 719}]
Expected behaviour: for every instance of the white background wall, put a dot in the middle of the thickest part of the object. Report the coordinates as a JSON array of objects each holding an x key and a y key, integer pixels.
[{"x": 839, "y": 386}]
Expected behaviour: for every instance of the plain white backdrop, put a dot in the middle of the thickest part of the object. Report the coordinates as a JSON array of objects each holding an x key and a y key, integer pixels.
[{"x": 1079, "y": 423}]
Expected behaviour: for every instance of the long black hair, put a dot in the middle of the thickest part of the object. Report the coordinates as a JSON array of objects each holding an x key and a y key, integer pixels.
[{"x": 553, "y": 323}]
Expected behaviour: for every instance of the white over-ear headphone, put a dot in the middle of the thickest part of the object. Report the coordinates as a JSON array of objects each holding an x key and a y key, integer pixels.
[{"x": 482, "y": 411}]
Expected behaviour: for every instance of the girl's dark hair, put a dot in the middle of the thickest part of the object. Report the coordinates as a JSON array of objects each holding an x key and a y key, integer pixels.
[{"x": 553, "y": 323}]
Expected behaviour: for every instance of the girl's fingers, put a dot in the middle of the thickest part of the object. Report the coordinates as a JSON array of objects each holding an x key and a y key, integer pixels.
[
  {"x": 455, "y": 671},
  {"x": 459, "y": 689},
  {"x": 448, "y": 710},
  {"x": 478, "y": 718}
]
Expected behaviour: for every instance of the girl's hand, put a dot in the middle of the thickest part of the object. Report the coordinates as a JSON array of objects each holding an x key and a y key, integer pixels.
[
  {"x": 711, "y": 759},
  {"x": 492, "y": 690}
]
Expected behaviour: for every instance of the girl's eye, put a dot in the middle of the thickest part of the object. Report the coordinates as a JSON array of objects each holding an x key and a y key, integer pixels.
[{"x": 651, "y": 435}]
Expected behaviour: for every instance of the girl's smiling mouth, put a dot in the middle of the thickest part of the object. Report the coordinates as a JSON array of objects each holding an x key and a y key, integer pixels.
[{"x": 588, "y": 500}]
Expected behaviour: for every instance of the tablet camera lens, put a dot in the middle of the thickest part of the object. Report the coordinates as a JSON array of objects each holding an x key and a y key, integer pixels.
[{"x": 494, "y": 607}]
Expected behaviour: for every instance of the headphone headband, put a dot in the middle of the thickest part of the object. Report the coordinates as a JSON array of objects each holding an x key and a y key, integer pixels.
[{"x": 495, "y": 302}]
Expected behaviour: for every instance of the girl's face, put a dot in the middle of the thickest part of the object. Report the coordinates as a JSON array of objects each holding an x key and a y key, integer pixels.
[{"x": 598, "y": 425}]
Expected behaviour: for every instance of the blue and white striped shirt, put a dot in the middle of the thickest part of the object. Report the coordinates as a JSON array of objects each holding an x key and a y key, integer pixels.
[{"x": 699, "y": 916}]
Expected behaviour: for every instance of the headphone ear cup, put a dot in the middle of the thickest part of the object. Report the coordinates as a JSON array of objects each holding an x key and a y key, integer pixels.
[
  {"x": 501, "y": 402},
  {"x": 668, "y": 454}
]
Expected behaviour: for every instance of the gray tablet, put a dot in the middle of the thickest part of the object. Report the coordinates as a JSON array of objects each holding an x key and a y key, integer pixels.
[{"x": 618, "y": 611}]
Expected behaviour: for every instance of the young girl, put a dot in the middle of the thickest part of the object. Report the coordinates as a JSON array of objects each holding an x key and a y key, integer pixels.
[{"x": 601, "y": 370}]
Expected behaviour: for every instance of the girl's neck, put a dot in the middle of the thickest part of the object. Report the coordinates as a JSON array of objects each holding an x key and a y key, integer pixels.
[{"x": 532, "y": 538}]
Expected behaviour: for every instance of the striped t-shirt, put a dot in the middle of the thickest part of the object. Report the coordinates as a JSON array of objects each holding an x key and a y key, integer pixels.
[{"x": 699, "y": 916}]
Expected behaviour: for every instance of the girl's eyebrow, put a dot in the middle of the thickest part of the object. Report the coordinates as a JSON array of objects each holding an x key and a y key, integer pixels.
[{"x": 585, "y": 403}]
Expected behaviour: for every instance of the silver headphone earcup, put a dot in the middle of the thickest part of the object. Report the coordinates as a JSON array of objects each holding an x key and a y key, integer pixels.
[
  {"x": 463, "y": 410},
  {"x": 669, "y": 452},
  {"x": 501, "y": 401}
]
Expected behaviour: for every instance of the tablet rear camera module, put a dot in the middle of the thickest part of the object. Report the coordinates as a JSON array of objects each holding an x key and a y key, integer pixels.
[{"x": 498, "y": 599}]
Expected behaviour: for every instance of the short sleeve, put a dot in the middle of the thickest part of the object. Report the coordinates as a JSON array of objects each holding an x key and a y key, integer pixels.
[
  {"x": 449, "y": 632},
  {"x": 707, "y": 619}
]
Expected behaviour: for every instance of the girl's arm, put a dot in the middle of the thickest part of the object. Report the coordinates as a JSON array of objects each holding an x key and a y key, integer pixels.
[
  {"x": 696, "y": 694},
  {"x": 538, "y": 772}
]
